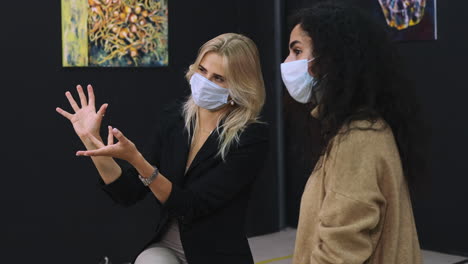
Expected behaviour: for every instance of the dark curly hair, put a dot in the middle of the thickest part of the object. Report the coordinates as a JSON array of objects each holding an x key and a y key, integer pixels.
[{"x": 360, "y": 77}]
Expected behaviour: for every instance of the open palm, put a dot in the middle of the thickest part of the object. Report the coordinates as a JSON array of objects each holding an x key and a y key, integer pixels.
[{"x": 86, "y": 121}]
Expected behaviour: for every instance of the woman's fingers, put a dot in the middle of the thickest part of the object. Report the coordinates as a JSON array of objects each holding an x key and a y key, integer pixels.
[
  {"x": 97, "y": 152},
  {"x": 102, "y": 111},
  {"x": 64, "y": 113},
  {"x": 91, "y": 98},
  {"x": 72, "y": 101},
  {"x": 81, "y": 153},
  {"x": 110, "y": 137},
  {"x": 119, "y": 135},
  {"x": 83, "y": 100}
]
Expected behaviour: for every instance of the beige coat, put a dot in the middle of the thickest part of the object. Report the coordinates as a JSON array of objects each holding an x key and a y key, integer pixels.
[{"x": 356, "y": 206}]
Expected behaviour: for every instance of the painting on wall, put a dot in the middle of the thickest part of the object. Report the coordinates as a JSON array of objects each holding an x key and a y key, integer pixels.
[
  {"x": 406, "y": 20},
  {"x": 114, "y": 33}
]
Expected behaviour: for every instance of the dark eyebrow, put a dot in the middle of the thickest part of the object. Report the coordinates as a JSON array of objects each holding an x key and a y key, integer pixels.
[
  {"x": 291, "y": 45},
  {"x": 218, "y": 76},
  {"x": 215, "y": 74}
]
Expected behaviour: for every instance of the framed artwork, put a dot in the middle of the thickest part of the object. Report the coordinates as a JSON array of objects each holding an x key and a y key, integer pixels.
[
  {"x": 114, "y": 33},
  {"x": 407, "y": 20}
]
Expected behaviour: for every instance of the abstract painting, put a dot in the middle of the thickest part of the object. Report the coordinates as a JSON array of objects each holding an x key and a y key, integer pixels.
[
  {"x": 114, "y": 33},
  {"x": 406, "y": 20}
]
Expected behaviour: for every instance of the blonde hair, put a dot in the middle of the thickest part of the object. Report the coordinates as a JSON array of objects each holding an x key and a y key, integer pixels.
[{"x": 243, "y": 74}]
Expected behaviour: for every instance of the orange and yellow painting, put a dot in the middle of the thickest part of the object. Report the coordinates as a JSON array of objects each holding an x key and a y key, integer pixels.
[
  {"x": 406, "y": 20},
  {"x": 114, "y": 33}
]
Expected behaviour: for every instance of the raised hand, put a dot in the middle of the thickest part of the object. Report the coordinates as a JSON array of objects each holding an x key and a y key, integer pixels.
[
  {"x": 124, "y": 149},
  {"x": 86, "y": 121}
]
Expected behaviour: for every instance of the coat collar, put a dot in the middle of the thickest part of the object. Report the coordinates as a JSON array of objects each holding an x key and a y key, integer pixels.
[
  {"x": 208, "y": 150},
  {"x": 182, "y": 148},
  {"x": 182, "y": 144}
]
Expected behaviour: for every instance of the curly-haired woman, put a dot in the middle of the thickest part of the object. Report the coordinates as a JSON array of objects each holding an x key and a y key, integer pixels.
[{"x": 356, "y": 205}]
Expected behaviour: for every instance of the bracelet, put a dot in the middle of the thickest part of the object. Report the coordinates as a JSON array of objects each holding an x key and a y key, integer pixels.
[{"x": 150, "y": 179}]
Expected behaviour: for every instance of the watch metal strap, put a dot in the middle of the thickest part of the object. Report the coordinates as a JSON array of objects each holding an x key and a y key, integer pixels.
[{"x": 150, "y": 179}]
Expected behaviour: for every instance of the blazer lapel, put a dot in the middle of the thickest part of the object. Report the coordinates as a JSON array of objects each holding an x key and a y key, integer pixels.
[
  {"x": 181, "y": 148},
  {"x": 209, "y": 149}
]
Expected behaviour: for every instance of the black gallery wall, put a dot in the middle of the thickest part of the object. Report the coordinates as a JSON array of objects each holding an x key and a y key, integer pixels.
[
  {"x": 52, "y": 209},
  {"x": 438, "y": 71}
]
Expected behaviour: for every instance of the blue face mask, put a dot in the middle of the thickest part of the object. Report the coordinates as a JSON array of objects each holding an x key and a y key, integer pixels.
[
  {"x": 208, "y": 94},
  {"x": 297, "y": 79}
]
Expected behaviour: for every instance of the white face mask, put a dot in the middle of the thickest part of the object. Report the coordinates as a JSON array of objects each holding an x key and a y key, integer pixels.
[
  {"x": 297, "y": 79},
  {"x": 207, "y": 94}
]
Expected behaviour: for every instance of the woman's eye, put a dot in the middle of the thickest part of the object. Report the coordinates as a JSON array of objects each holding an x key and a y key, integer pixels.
[
  {"x": 297, "y": 52},
  {"x": 219, "y": 79},
  {"x": 201, "y": 69}
]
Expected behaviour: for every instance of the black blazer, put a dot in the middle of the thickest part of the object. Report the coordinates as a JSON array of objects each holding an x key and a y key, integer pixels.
[{"x": 210, "y": 200}]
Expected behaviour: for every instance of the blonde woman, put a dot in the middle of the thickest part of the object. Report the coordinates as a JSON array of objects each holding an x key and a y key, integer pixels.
[{"x": 206, "y": 154}]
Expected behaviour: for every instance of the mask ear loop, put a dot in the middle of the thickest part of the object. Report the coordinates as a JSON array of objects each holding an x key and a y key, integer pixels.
[{"x": 313, "y": 58}]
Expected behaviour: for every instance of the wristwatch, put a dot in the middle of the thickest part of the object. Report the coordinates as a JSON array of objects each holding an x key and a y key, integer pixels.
[{"x": 150, "y": 179}]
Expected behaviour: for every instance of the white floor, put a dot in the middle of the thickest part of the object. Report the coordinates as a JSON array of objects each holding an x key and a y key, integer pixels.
[{"x": 277, "y": 248}]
